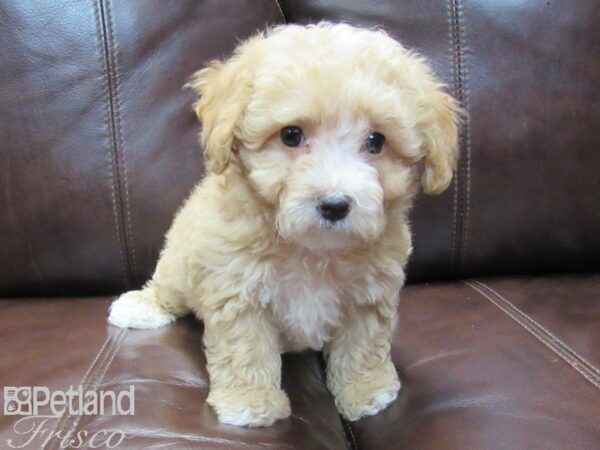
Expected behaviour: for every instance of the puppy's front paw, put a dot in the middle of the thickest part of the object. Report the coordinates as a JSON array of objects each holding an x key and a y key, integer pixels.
[
  {"x": 137, "y": 309},
  {"x": 251, "y": 408},
  {"x": 367, "y": 396}
]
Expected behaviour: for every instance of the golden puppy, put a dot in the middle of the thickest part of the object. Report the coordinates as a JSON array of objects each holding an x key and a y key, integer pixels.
[{"x": 316, "y": 139}]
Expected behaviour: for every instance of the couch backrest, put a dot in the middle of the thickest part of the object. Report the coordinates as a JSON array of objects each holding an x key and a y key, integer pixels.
[{"x": 98, "y": 141}]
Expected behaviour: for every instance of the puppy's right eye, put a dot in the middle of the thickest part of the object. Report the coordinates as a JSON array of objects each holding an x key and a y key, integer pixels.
[{"x": 292, "y": 136}]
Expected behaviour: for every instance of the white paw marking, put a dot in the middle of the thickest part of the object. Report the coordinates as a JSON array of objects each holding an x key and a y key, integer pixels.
[
  {"x": 245, "y": 418},
  {"x": 384, "y": 399},
  {"x": 131, "y": 310},
  {"x": 379, "y": 403}
]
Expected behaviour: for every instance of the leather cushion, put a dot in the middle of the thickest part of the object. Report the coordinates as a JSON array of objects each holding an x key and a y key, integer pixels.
[
  {"x": 99, "y": 141},
  {"x": 62, "y": 342},
  {"x": 495, "y": 364}
]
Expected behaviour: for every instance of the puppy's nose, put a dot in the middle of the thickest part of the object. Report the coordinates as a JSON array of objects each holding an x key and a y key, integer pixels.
[{"x": 334, "y": 208}]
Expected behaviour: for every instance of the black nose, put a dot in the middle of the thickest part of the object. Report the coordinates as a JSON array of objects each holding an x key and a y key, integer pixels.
[{"x": 334, "y": 209}]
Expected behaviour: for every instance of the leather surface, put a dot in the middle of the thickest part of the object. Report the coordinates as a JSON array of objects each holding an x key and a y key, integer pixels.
[
  {"x": 531, "y": 195},
  {"x": 98, "y": 141},
  {"x": 57, "y": 225},
  {"x": 495, "y": 364},
  {"x": 563, "y": 308},
  {"x": 48, "y": 342},
  {"x": 62, "y": 342},
  {"x": 480, "y": 372}
]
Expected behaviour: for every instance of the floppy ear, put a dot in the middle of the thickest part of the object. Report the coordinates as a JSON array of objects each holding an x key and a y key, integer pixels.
[
  {"x": 438, "y": 120},
  {"x": 224, "y": 89}
]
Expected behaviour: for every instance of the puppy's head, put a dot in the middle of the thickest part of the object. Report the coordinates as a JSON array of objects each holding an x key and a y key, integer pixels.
[{"x": 332, "y": 125}]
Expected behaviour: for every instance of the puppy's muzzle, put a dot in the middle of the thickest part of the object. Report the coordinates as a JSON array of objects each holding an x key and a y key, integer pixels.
[{"x": 334, "y": 208}]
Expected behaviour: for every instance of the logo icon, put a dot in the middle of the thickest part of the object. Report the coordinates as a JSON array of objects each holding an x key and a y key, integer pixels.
[{"x": 17, "y": 401}]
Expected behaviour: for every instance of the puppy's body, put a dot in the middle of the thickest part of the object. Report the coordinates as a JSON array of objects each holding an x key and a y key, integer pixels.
[
  {"x": 218, "y": 251},
  {"x": 255, "y": 251}
]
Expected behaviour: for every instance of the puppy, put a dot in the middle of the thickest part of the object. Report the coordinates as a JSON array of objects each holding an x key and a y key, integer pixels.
[{"x": 316, "y": 139}]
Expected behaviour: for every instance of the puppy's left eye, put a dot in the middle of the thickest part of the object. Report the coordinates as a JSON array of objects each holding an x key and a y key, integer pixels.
[
  {"x": 374, "y": 143},
  {"x": 292, "y": 136}
]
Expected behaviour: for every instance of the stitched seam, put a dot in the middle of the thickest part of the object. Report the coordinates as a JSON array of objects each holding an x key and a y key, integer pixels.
[
  {"x": 64, "y": 419},
  {"x": 346, "y": 428},
  {"x": 119, "y": 141},
  {"x": 462, "y": 181},
  {"x": 119, "y": 341},
  {"x": 281, "y": 11},
  {"x": 467, "y": 142},
  {"x": 548, "y": 332},
  {"x": 554, "y": 344},
  {"x": 114, "y": 200},
  {"x": 60, "y": 421},
  {"x": 456, "y": 91},
  {"x": 349, "y": 431},
  {"x": 112, "y": 111}
]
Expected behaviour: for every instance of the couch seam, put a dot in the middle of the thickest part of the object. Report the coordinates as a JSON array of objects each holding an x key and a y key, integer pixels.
[
  {"x": 467, "y": 143},
  {"x": 104, "y": 351},
  {"x": 462, "y": 184},
  {"x": 455, "y": 88},
  {"x": 112, "y": 114},
  {"x": 119, "y": 341},
  {"x": 576, "y": 361},
  {"x": 349, "y": 431},
  {"x": 554, "y": 337},
  {"x": 119, "y": 140},
  {"x": 281, "y": 11},
  {"x": 83, "y": 381},
  {"x": 107, "y": 119}
]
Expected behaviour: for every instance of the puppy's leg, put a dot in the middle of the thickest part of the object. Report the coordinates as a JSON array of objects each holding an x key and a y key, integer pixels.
[
  {"x": 244, "y": 364},
  {"x": 360, "y": 373},
  {"x": 158, "y": 304}
]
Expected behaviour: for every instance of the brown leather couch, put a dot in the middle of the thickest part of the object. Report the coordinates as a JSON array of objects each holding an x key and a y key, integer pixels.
[{"x": 498, "y": 344}]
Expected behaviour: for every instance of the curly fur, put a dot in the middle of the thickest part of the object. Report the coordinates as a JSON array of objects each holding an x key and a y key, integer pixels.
[{"x": 249, "y": 254}]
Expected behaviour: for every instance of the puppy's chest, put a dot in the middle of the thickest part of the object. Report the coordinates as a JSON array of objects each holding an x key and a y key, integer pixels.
[{"x": 305, "y": 297}]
